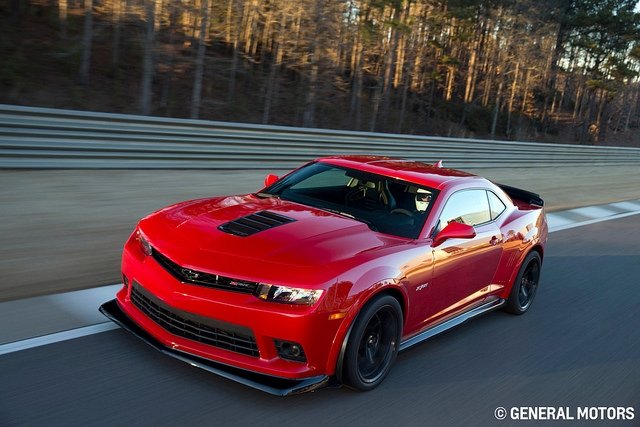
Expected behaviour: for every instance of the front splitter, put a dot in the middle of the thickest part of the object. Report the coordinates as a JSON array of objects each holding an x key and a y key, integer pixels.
[{"x": 277, "y": 386}]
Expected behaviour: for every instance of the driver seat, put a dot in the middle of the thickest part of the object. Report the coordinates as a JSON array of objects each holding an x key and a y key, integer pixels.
[{"x": 371, "y": 196}]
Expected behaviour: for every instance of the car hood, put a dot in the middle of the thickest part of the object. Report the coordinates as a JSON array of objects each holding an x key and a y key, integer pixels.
[{"x": 189, "y": 233}]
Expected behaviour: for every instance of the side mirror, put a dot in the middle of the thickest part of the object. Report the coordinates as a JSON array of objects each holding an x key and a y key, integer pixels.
[
  {"x": 270, "y": 179},
  {"x": 455, "y": 230}
]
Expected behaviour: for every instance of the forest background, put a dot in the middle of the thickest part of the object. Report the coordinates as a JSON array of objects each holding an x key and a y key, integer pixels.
[{"x": 564, "y": 71}]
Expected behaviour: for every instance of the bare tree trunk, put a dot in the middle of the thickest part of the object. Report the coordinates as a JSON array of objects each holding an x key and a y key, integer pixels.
[
  {"x": 249, "y": 23},
  {"x": 450, "y": 78},
  {"x": 601, "y": 128},
  {"x": 428, "y": 119},
  {"x": 471, "y": 75},
  {"x": 357, "y": 115},
  {"x": 273, "y": 72},
  {"x": 526, "y": 92},
  {"x": 314, "y": 58},
  {"x": 487, "y": 88},
  {"x": 587, "y": 117},
  {"x": 471, "y": 72},
  {"x": 550, "y": 93},
  {"x": 234, "y": 61},
  {"x": 376, "y": 106},
  {"x": 62, "y": 14},
  {"x": 202, "y": 46},
  {"x": 551, "y": 74},
  {"x": 388, "y": 79},
  {"x": 193, "y": 27},
  {"x": 496, "y": 111},
  {"x": 117, "y": 18},
  {"x": 578, "y": 102},
  {"x": 405, "y": 91},
  {"x": 157, "y": 16},
  {"x": 227, "y": 33},
  {"x": 403, "y": 107},
  {"x": 356, "y": 86},
  {"x": 631, "y": 103},
  {"x": 83, "y": 77},
  {"x": 637, "y": 113},
  {"x": 563, "y": 93},
  {"x": 300, "y": 100},
  {"x": 400, "y": 55},
  {"x": 619, "y": 113},
  {"x": 173, "y": 23},
  {"x": 166, "y": 85},
  {"x": 310, "y": 101},
  {"x": 147, "y": 62},
  {"x": 513, "y": 95},
  {"x": 356, "y": 91}
]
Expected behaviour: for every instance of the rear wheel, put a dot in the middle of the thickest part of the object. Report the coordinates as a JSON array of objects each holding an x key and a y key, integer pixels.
[
  {"x": 373, "y": 343},
  {"x": 526, "y": 284}
]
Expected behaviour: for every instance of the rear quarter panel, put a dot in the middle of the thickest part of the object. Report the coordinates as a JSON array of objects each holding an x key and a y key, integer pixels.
[{"x": 523, "y": 229}]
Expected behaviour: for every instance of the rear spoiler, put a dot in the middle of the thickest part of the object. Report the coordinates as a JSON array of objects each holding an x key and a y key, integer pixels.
[{"x": 522, "y": 195}]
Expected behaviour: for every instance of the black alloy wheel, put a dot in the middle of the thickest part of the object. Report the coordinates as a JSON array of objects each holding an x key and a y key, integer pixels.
[
  {"x": 373, "y": 344},
  {"x": 526, "y": 284}
]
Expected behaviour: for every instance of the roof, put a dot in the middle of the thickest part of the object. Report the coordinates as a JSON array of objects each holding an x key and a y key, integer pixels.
[{"x": 408, "y": 170}]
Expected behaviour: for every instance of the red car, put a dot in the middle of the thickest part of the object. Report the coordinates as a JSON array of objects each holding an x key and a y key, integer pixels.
[{"x": 325, "y": 274}]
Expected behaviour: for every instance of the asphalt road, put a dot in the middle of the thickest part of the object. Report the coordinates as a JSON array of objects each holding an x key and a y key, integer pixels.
[{"x": 577, "y": 347}]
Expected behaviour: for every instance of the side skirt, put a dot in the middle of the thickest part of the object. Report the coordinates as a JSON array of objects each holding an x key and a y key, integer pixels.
[{"x": 490, "y": 306}]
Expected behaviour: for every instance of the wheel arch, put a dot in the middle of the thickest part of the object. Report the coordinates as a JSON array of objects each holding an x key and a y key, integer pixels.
[
  {"x": 392, "y": 291},
  {"x": 512, "y": 276},
  {"x": 399, "y": 296},
  {"x": 538, "y": 248}
]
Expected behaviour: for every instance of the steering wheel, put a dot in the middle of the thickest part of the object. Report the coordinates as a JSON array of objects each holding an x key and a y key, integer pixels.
[{"x": 403, "y": 211}]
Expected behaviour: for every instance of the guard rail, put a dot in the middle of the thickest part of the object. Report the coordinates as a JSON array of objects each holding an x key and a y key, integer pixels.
[{"x": 51, "y": 138}]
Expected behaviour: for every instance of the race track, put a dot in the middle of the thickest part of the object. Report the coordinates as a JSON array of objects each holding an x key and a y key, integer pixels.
[{"x": 578, "y": 346}]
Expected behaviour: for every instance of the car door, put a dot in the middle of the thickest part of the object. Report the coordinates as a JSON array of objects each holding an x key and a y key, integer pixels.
[{"x": 463, "y": 267}]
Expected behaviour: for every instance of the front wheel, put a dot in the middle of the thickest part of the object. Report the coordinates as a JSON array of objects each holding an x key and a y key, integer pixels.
[
  {"x": 373, "y": 343},
  {"x": 526, "y": 284}
]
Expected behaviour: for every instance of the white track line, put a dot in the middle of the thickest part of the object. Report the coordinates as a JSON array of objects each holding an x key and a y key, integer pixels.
[
  {"x": 591, "y": 221},
  {"x": 108, "y": 326},
  {"x": 57, "y": 337}
]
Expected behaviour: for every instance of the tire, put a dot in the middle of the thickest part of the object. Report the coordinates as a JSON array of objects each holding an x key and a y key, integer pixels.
[
  {"x": 526, "y": 284},
  {"x": 373, "y": 344}
]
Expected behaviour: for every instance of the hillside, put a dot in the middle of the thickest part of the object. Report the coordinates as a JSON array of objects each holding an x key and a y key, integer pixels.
[{"x": 284, "y": 68}]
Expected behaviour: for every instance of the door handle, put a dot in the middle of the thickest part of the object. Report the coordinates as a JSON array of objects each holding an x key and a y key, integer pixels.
[{"x": 495, "y": 240}]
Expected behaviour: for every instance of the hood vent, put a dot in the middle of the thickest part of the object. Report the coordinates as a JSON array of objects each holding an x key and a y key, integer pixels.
[{"x": 254, "y": 223}]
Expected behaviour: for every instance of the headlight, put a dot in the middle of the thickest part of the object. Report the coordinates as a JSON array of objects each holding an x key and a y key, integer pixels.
[
  {"x": 287, "y": 295},
  {"x": 144, "y": 245}
]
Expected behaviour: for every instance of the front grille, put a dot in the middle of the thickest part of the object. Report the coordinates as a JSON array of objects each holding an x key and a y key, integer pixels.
[
  {"x": 194, "y": 327},
  {"x": 254, "y": 223},
  {"x": 204, "y": 279}
]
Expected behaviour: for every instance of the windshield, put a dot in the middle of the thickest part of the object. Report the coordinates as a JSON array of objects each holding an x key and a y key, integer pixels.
[{"x": 385, "y": 204}]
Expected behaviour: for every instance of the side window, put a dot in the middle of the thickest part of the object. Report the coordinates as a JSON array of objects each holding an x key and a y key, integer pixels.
[
  {"x": 495, "y": 205},
  {"x": 469, "y": 207}
]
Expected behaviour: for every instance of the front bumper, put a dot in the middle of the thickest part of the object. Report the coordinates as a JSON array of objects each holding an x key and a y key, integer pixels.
[{"x": 274, "y": 385}]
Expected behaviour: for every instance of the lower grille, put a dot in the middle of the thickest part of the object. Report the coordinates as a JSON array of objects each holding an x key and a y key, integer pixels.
[{"x": 194, "y": 327}]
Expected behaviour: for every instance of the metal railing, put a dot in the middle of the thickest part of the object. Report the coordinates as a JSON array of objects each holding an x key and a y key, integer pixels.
[{"x": 50, "y": 138}]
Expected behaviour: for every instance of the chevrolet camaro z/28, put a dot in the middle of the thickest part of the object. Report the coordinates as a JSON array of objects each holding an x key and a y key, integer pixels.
[{"x": 325, "y": 274}]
